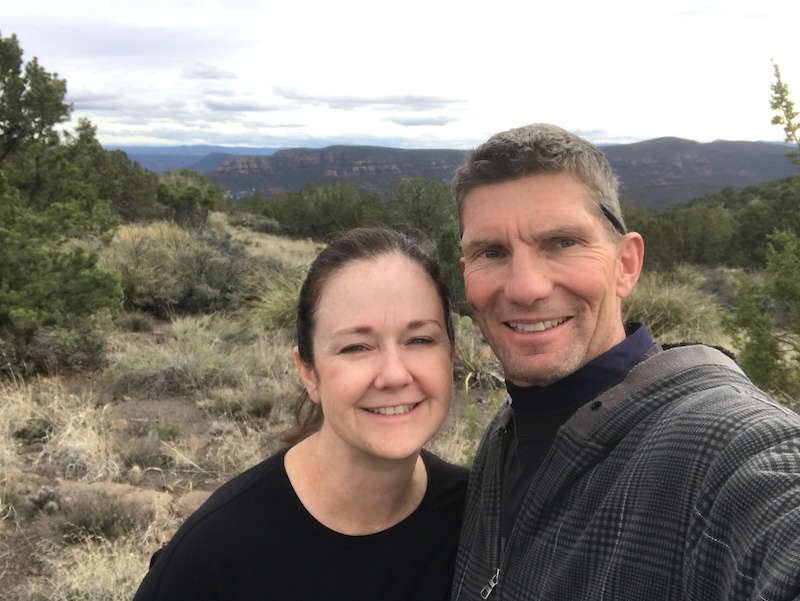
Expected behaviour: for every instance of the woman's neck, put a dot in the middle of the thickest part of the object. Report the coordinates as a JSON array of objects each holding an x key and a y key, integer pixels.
[{"x": 352, "y": 493}]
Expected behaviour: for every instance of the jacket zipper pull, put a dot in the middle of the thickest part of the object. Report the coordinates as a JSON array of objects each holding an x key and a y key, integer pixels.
[{"x": 487, "y": 590}]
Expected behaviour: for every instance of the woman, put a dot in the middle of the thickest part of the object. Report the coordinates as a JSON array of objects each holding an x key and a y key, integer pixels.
[{"x": 354, "y": 509}]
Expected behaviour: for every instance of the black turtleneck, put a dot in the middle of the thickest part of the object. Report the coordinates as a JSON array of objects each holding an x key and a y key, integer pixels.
[{"x": 539, "y": 411}]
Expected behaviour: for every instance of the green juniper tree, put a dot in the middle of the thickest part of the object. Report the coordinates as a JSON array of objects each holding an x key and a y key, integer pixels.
[
  {"x": 419, "y": 205},
  {"x": 52, "y": 295},
  {"x": 770, "y": 351},
  {"x": 785, "y": 114}
]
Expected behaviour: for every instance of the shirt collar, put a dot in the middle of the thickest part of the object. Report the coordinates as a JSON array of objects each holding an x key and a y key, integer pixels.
[{"x": 590, "y": 380}]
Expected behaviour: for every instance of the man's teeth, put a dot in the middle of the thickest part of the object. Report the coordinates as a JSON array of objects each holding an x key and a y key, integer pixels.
[
  {"x": 540, "y": 326},
  {"x": 392, "y": 410}
]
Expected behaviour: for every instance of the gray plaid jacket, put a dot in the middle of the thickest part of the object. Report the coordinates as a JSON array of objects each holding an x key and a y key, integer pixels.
[{"x": 681, "y": 482}]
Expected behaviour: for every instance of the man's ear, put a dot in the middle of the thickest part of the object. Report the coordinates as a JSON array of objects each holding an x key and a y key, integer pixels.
[
  {"x": 307, "y": 375},
  {"x": 630, "y": 256}
]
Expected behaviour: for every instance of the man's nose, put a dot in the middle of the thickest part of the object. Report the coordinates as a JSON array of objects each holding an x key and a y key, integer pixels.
[{"x": 529, "y": 278}]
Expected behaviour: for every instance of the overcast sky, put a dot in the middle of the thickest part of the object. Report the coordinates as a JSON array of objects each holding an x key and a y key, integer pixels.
[{"x": 413, "y": 74}]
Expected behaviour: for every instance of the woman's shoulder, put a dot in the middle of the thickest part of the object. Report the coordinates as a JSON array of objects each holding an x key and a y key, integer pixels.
[
  {"x": 444, "y": 472},
  {"x": 262, "y": 483},
  {"x": 439, "y": 514},
  {"x": 222, "y": 531},
  {"x": 256, "y": 477}
]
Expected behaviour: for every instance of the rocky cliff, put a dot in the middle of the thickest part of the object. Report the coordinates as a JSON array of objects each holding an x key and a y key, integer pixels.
[
  {"x": 652, "y": 173},
  {"x": 371, "y": 168}
]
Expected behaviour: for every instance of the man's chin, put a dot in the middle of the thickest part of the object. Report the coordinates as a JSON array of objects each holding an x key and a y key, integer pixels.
[
  {"x": 541, "y": 366},
  {"x": 535, "y": 377}
]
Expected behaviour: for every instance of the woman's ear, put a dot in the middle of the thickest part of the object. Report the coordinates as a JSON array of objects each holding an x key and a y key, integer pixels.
[
  {"x": 630, "y": 258},
  {"x": 307, "y": 375}
]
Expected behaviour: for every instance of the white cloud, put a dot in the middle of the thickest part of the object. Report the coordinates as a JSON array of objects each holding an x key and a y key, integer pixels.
[
  {"x": 203, "y": 71},
  {"x": 418, "y": 74},
  {"x": 419, "y": 120},
  {"x": 237, "y": 105}
]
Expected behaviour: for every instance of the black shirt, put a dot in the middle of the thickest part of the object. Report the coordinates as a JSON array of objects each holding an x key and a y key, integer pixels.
[
  {"x": 254, "y": 540},
  {"x": 539, "y": 411}
]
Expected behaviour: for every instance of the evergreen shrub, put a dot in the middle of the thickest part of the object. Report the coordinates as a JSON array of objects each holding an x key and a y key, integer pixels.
[
  {"x": 167, "y": 270},
  {"x": 199, "y": 353}
]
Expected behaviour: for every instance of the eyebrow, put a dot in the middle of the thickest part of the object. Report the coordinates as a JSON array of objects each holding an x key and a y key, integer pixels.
[
  {"x": 482, "y": 243},
  {"x": 413, "y": 325},
  {"x": 567, "y": 231}
]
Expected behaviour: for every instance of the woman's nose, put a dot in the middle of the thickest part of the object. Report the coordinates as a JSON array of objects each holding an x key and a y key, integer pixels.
[{"x": 393, "y": 371}]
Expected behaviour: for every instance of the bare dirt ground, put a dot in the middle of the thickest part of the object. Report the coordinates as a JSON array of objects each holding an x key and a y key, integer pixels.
[
  {"x": 42, "y": 495},
  {"x": 164, "y": 456}
]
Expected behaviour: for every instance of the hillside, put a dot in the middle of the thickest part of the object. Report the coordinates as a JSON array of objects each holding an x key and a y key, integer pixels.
[
  {"x": 672, "y": 170},
  {"x": 95, "y": 477},
  {"x": 202, "y": 157},
  {"x": 371, "y": 168},
  {"x": 653, "y": 173}
]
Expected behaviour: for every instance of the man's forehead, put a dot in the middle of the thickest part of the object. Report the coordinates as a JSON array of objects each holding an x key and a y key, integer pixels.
[
  {"x": 552, "y": 185},
  {"x": 502, "y": 229}
]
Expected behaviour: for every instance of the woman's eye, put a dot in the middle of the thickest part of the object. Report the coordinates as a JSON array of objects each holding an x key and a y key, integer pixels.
[
  {"x": 421, "y": 340},
  {"x": 353, "y": 348}
]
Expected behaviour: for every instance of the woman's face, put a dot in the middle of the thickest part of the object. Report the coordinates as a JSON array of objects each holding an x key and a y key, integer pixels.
[{"x": 383, "y": 369}]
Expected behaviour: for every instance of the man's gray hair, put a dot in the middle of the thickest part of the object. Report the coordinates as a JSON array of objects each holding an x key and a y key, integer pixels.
[{"x": 541, "y": 148}]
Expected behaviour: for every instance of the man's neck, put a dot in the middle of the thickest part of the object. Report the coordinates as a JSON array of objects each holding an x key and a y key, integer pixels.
[{"x": 587, "y": 382}]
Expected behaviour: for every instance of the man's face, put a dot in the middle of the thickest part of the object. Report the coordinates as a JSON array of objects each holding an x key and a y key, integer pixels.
[{"x": 543, "y": 277}]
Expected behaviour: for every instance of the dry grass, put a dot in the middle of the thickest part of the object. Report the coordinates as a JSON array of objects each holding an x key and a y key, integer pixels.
[
  {"x": 96, "y": 570},
  {"x": 71, "y": 430},
  {"x": 236, "y": 448},
  {"x": 461, "y": 433},
  {"x": 676, "y": 307},
  {"x": 18, "y": 409},
  {"x": 81, "y": 448},
  {"x": 192, "y": 402},
  {"x": 235, "y": 383},
  {"x": 197, "y": 354},
  {"x": 169, "y": 234},
  {"x": 452, "y": 442},
  {"x": 475, "y": 363},
  {"x": 99, "y": 551},
  {"x": 299, "y": 253},
  {"x": 52, "y": 434},
  {"x": 275, "y": 304}
]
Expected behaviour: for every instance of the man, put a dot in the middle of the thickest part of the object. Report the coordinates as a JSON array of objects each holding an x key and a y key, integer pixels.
[{"x": 619, "y": 469}]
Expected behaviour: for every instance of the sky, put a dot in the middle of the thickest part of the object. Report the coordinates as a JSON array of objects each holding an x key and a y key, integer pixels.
[{"x": 411, "y": 74}]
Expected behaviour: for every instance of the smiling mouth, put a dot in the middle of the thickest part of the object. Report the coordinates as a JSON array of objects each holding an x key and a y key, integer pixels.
[
  {"x": 539, "y": 326},
  {"x": 399, "y": 410}
]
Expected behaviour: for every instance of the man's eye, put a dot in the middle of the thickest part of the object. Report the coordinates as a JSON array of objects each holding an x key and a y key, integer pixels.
[
  {"x": 490, "y": 254},
  {"x": 566, "y": 243},
  {"x": 354, "y": 348}
]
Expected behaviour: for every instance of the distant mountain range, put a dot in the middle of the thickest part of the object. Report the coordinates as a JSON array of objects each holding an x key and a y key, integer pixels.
[
  {"x": 666, "y": 171},
  {"x": 203, "y": 158},
  {"x": 653, "y": 173}
]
